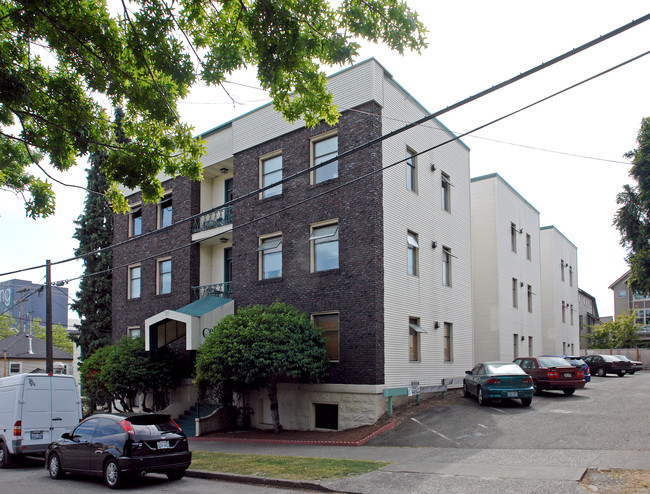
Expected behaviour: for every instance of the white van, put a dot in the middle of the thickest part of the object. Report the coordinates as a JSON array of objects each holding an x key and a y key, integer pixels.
[{"x": 35, "y": 409}]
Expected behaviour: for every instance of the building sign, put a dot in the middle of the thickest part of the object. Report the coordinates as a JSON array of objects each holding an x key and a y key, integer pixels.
[
  {"x": 414, "y": 388},
  {"x": 6, "y": 296}
]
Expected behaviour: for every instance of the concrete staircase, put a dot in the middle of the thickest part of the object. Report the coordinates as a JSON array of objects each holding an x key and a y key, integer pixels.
[{"x": 186, "y": 421}]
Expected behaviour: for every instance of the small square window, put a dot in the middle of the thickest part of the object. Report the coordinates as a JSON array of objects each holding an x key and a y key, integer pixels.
[
  {"x": 133, "y": 331},
  {"x": 15, "y": 367},
  {"x": 326, "y": 416}
]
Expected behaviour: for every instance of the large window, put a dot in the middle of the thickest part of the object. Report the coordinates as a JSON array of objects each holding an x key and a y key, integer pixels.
[
  {"x": 165, "y": 212},
  {"x": 135, "y": 221},
  {"x": 329, "y": 324},
  {"x": 446, "y": 266},
  {"x": 414, "y": 339},
  {"x": 411, "y": 171},
  {"x": 325, "y": 149},
  {"x": 164, "y": 274},
  {"x": 324, "y": 241},
  {"x": 412, "y": 253},
  {"x": 270, "y": 260},
  {"x": 446, "y": 192},
  {"x": 449, "y": 342},
  {"x": 134, "y": 281},
  {"x": 271, "y": 173}
]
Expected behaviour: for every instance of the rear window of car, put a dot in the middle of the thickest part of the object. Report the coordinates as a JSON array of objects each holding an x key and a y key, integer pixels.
[
  {"x": 611, "y": 358},
  {"x": 553, "y": 362},
  {"x": 576, "y": 361},
  {"x": 152, "y": 424},
  {"x": 503, "y": 369}
]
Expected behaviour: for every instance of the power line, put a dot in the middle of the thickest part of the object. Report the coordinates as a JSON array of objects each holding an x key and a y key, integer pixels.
[{"x": 409, "y": 126}]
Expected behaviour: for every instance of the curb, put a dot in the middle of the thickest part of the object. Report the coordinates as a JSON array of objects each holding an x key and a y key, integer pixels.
[
  {"x": 296, "y": 442},
  {"x": 270, "y": 482}
]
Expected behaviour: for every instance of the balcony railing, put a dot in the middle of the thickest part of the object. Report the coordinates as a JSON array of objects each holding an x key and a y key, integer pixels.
[
  {"x": 216, "y": 289},
  {"x": 212, "y": 219}
]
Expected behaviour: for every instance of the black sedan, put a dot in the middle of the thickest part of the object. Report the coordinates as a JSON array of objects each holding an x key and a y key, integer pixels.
[
  {"x": 117, "y": 445},
  {"x": 601, "y": 365}
]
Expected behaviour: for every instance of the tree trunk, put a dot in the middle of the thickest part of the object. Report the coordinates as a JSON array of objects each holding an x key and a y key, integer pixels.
[{"x": 272, "y": 389}]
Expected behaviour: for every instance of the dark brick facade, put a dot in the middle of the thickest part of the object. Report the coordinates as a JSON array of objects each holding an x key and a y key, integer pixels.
[
  {"x": 356, "y": 289},
  {"x": 171, "y": 242}
]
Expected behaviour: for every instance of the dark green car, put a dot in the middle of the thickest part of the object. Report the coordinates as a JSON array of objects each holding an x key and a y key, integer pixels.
[{"x": 498, "y": 381}]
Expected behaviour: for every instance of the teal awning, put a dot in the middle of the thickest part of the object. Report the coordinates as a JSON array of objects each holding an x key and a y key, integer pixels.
[{"x": 203, "y": 305}]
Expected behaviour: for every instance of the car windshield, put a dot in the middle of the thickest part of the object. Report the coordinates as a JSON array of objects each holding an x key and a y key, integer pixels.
[
  {"x": 502, "y": 369},
  {"x": 152, "y": 425},
  {"x": 553, "y": 362}
]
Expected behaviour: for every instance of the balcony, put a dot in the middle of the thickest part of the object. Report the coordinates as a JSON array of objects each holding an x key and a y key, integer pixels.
[
  {"x": 214, "y": 218},
  {"x": 217, "y": 289}
]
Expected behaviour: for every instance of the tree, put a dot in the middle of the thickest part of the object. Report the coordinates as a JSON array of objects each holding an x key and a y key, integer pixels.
[
  {"x": 66, "y": 63},
  {"x": 633, "y": 218},
  {"x": 60, "y": 336},
  {"x": 259, "y": 347},
  {"x": 7, "y": 326},
  {"x": 93, "y": 387},
  {"x": 622, "y": 332},
  {"x": 95, "y": 232}
]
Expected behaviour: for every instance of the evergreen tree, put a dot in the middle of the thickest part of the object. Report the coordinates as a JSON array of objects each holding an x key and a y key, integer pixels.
[{"x": 94, "y": 232}]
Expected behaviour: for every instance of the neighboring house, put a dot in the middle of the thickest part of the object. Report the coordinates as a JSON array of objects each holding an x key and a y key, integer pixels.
[
  {"x": 506, "y": 272},
  {"x": 625, "y": 300},
  {"x": 25, "y": 301},
  {"x": 22, "y": 353},
  {"x": 560, "y": 321},
  {"x": 588, "y": 311},
  {"x": 380, "y": 259}
]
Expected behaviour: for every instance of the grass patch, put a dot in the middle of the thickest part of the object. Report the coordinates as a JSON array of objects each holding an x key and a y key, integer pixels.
[{"x": 281, "y": 467}]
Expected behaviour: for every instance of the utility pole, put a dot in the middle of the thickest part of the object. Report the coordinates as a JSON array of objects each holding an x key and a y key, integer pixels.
[
  {"x": 22, "y": 292},
  {"x": 49, "y": 357}
]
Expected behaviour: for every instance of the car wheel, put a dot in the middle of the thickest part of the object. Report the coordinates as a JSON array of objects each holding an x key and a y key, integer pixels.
[
  {"x": 112, "y": 474},
  {"x": 600, "y": 372},
  {"x": 621, "y": 373},
  {"x": 482, "y": 400},
  {"x": 5, "y": 456},
  {"x": 54, "y": 466},
  {"x": 465, "y": 392},
  {"x": 536, "y": 389},
  {"x": 176, "y": 474},
  {"x": 526, "y": 401},
  {"x": 569, "y": 392}
]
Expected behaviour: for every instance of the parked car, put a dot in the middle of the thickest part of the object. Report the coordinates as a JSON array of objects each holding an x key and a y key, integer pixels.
[
  {"x": 498, "y": 380},
  {"x": 35, "y": 409},
  {"x": 602, "y": 365},
  {"x": 636, "y": 365},
  {"x": 117, "y": 445},
  {"x": 552, "y": 373},
  {"x": 577, "y": 361}
]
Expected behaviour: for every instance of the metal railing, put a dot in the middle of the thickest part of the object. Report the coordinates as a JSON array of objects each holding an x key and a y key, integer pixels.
[
  {"x": 212, "y": 219},
  {"x": 216, "y": 289}
]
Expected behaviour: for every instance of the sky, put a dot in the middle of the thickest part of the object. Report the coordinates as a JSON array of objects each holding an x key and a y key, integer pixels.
[{"x": 564, "y": 156}]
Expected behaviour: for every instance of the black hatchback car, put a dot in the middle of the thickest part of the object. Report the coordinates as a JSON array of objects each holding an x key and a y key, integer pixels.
[{"x": 117, "y": 445}]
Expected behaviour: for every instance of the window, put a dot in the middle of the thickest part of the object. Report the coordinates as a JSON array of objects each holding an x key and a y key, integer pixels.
[
  {"x": 446, "y": 266},
  {"x": 227, "y": 264},
  {"x": 168, "y": 331},
  {"x": 513, "y": 237},
  {"x": 414, "y": 339},
  {"x": 133, "y": 331},
  {"x": 411, "y": 174},
  {"x": 323, "y": 150},
  {"x": 570, "y": 276},
  {"x": 562, "y": 269},
  {"x": 446, "y": 192},
  {"x": 270, "y": 259},
  {"x": 165, "y": 212},
  {"x": 164, "y": 273},
  {"x": 15, "y": 367},
  {"x": 329, "y": 324},
  {"x": 515, "y": 293},
  {"x": 528, "y": 247},
  {"x": 271, "y": 173},
  {"x": 530, "y": 299},
  {"x": 412, "y": 246},
  {"x": 515, "y": 346},
  {"x": 622, "y": 294},
  {"x": 571, "y": 314},
  {"x": 135, "y": 221},
  {"x": 326, "y": 416},
  {"x": 449, "y": 342},
  {"x": 530, "y": 346},
  {"x": 134, "y": 281},
  {"x": 563, "y": 311},
  {"x": 325, "y": 247}
]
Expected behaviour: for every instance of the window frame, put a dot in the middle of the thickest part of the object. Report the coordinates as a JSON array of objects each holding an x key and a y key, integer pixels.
[
  {"x": 529, "y": 254},
  {"x": 276, "y": 190},
  {"x": 135, "y": 211},
  {"x": 445, "y": 183},
  {"x": 20, "y": 368},
  {"x": 132, "y": 329},
  {"x": 316, "y": 315},
  {"x": 448, "y": 342},
  {"x": 513, "y": 237},
  {"x": 415, "y": 341},
  {"x": 314, "y": 242},
  {"x": 263, "y": 252},
  {"x": 159, "y": 275},
  {"x": 412, "y": 253},
  {"x": 564, "y": 311},
  {"x": 530, "y": 299},
  {"x": 130, "y": 280},
  {"x": 515, "y": 293},
  {"x": 411, "y": 170},
  {"x": 313, "y": 175},
  {"x": 446, "y": 266},
  {"x": 167, "y": 197}
]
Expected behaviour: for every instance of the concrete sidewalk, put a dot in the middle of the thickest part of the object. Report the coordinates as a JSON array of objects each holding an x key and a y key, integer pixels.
[{"x": 560, "y": 469}]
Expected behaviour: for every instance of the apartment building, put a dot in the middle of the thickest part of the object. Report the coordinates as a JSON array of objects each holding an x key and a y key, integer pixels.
[
  {"x": 506, "y": 272},
  {"x": 588, "y": 314},
  {"x": 625, "y": 299},
  {"x": 375, "y": 246}
]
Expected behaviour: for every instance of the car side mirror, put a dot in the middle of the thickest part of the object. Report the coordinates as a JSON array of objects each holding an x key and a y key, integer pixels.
[
  {"x": 66, "y": 435},
  {"x": 468, "y": 372}
]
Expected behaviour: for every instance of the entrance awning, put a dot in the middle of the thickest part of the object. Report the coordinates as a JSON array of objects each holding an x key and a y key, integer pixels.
[{"x": 199, "y": 318}]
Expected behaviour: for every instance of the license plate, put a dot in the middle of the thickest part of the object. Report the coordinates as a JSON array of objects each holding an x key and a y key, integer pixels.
[
  {"x": 568, "y": 374},
  {"x": 513, "y": 394},
  {"x": 163, "y": 445},
  {"x": 36, "y": 435}
]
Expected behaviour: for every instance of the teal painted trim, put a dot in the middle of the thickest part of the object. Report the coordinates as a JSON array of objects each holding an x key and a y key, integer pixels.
[{"x": 396, "y": 392}]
